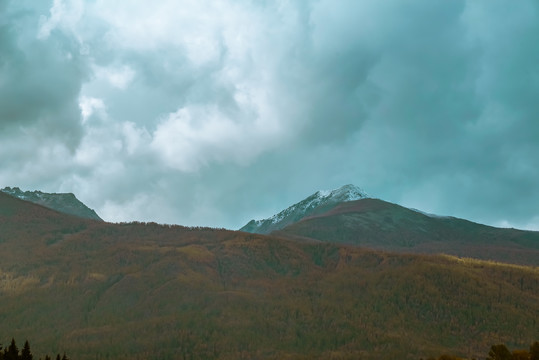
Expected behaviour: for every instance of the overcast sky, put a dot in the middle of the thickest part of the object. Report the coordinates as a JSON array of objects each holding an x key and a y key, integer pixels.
[{"x": 213, "y": 112}]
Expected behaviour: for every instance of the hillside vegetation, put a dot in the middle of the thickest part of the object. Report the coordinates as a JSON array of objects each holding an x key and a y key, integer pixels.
[
  {"x": 377, "y": 224},
  {"x": 146, "y": 291}
]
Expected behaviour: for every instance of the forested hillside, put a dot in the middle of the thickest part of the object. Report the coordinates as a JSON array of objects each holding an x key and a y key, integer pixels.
[{"x": 124, "y": 291}]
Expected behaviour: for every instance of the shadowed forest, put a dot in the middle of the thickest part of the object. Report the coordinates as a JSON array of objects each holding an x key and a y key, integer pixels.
[
  {"x": 496, "y": 352},
  {"x": 501, "y": 352},
  {"x": 12, "y": 352}
]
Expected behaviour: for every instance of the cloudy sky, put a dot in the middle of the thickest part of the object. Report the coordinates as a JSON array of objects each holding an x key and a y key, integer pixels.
[{"x": 213, "y": 112}]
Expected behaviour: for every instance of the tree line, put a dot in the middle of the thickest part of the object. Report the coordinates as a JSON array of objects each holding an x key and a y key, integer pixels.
[
  {"x": 12, "y": 353},
  {"x": 496, "y": 352},
  {"x": 501, "y": 352}
]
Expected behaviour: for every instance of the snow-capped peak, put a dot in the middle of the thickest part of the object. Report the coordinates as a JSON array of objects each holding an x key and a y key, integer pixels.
[
  {"x": 318, "y": 202},
  {"x": 344, "y": 193}
]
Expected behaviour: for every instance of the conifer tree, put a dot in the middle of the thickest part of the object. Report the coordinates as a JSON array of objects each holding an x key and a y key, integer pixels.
[
  {"x": 26, "y": 354},
  {"x": 12, "y": 352}
]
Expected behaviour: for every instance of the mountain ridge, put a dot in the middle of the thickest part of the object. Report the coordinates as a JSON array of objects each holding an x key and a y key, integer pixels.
[
  {"x": 377, "y": 224},
  {"x": 317, "y": 203},
  {"x": 66, "y": 203}
]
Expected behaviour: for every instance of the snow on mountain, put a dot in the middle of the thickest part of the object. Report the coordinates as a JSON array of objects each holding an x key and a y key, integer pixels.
[
  {"x": 65, "y": 203},
  {"x": 319, "y": 202}
]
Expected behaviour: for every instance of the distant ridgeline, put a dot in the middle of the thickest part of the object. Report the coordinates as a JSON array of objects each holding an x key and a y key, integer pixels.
[
  {"x": 65, "y": 203},
  {"x": 349, "y": 216}
]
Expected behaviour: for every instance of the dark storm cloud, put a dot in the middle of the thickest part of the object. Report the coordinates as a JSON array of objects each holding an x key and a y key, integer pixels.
[
  {"x": 204, "y": 112},
  {"x": 459, "y": 114},
  {"x": 41, "y": 79}
]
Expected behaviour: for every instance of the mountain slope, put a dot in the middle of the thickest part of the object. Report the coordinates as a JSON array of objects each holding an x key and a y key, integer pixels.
[
  {"x": 317, "y": 203},
  {"x": 124, "y": 291},
  {"x": 65, "y": 203},
  {"x": 378, "y": 224}
]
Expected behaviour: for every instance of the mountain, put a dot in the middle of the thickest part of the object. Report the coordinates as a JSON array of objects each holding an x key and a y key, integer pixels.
[
  {"x": 317, "y": 203},
  {"x": 377, "y": 224},
  {"x": 65, "y": 203},
  {"x": 123, "y": 291}
]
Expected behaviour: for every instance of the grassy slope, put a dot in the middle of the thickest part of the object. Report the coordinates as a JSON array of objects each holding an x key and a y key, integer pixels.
[
  {"x": 378, "y": 224},
  {"x": 99, "y": 290}
]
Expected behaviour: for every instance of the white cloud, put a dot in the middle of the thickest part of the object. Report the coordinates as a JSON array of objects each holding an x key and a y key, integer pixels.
[
  {"x": 141, "y": 26},
  {"x": 531, "y": 225},
  {"x": 195, "y": 136},
  {"x": 136, "y": 139},
  {"x": 127, "y": 211},
  {"x": 118, "y": 76},
  {"x": 63, "y": 13},
  {"x": 90, "y": 105},
  {"x": 57, "y": 11}
]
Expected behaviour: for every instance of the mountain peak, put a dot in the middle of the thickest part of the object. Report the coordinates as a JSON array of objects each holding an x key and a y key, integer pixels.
[
  {"x": 66, "y": 203},
  {"x": 319, "y": 202},
  {"x": 348, "y": 192}
]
